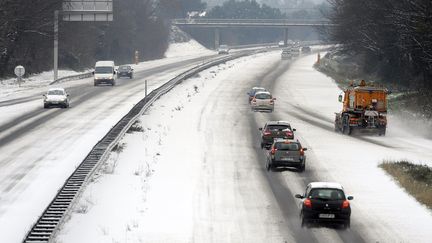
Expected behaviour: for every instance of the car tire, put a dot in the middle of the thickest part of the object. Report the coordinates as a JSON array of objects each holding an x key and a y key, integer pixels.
[
  {"x": 46, "y": 106},
  {"x": 269, "y": 166},
  {"x": 95, "y": 83},
  {"x": 347, "y": 224},
  {"x": 302, "y": 167},
  {"x": 262, "y": 145},
  {"x": 304, "y": 223}
]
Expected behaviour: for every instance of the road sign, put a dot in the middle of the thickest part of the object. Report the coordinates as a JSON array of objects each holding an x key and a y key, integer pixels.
[
  {"x": 19, "y": 71},
  {"x": 87, "y": 10}
]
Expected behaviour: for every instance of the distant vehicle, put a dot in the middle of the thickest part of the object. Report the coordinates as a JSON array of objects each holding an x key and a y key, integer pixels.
[
  {"x": 251, "y": 93},
  {"x": 325, "y": 202},
  {"x": 104, "y": 73},
  {"x": 223, "y": 49},
  {"x": 306, "y": 49},
  {"x": 286, "y": 153},
  {"x": 286, "y": 54},
  {"x": 262, "y": 101},
  {"x": 125, "y": 71},
  {"x": 281, "y": 44},
  {"x": 56, "y": 97},
  {"x": 273, "y": 130},
  {"x": 295, "y": 51},
  {"x": 364, "y": 109}
]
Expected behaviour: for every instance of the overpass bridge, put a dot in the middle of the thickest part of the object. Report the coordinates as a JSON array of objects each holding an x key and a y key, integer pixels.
[{"x": 217, "y": 24}]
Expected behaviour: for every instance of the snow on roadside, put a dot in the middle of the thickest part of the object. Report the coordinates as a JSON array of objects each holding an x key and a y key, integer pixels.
[{"x": 191, "y": 47}]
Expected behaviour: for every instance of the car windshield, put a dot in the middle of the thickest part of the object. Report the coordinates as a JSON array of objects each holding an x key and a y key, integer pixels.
[
  {"x": 263, "y": 96},
  {"x": 103, "y": 70},
  {"x": 326, "y": 194},
  {"x": 278, "y": 127},
  {"x": 287, "y": 146},
  {"x": 56, "y": 92}
]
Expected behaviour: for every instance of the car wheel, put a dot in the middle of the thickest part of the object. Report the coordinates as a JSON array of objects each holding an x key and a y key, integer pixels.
[
  {"x": 46, "y": 106},
  {"x": 95, "y": 83},
  {"x": 302, "y": 167},
  {"x": 268, "y": 166},
  {"x": 304, "y": 222},
  {"x": 262, "y": 145}
]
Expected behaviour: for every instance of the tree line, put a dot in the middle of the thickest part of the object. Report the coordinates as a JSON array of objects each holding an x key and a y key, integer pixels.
[
  {"x": 392, "y": 39},
  {"x": 26, "y": 34}
]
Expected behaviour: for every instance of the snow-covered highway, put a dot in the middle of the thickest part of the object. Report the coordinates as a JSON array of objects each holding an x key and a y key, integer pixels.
[{"x": 197, "y": 174}]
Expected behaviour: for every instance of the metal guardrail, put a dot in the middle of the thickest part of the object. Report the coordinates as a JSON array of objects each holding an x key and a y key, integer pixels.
[
  {"x": 249, "y": 22},
  {"x": 72, "y": 77},
  {"x": 45, "y": 229}
]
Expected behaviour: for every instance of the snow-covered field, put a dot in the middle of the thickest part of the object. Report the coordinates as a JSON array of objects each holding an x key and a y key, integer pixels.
[{"x": 193, "y": 174}]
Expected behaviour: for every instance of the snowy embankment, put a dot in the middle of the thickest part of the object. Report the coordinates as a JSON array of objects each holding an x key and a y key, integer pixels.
[{"x": 192, "y": 175}]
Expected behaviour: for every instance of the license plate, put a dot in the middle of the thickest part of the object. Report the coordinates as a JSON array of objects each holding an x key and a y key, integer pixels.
[
  {"x": 287, "y": 159},
  {"x": 326, "y": 216}
]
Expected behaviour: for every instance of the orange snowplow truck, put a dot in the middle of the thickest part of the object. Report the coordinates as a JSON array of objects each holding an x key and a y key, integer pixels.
[{"x": 364, "y": 109}]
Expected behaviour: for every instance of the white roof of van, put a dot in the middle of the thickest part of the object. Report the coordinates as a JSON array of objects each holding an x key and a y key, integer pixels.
[{"x": 105, "y": 63}]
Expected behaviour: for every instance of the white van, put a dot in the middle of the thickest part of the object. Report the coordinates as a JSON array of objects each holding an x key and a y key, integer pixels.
[{"x": 104, "y": 73}]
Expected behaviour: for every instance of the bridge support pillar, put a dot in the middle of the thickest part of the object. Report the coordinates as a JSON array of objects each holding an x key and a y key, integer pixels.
[
  {"x": 217, "y": 38},
  {"x": 286, "y": 37}
]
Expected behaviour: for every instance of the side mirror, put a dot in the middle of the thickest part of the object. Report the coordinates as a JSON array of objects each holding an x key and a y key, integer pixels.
[
  {"x": 299, "y": 196},
  {"x": 44, "y": 95},
  {"x": 67, "y": 95},
  {"x": 294, "y": 130},
  {"x": 114, "y": 72},
  {"x": 304, "y": 149},
  {"x": 93, "y": 73},
  {"x": 350, "y": 198},
  {"x": 260, "y": 128},
  {"x": 340, "y": 98}
]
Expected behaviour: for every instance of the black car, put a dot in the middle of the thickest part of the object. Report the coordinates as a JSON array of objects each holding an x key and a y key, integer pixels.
[
  {"x": 306, "y": 49},
  {"x": 286, "y": 153},
  {"x": 325, "y": 202},
  {"x": 275, "y": 129},
  {"x": 125, "y": 71}
]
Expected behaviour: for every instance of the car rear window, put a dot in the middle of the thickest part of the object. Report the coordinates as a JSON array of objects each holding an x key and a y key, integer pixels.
[
  {"x": 278, "y": 127},
  {"x": 56, "y": 92},
  {"x": 263, "y": 96},
  {"x": 327, "y": 194},
  {"x": 287, "y": 146}
]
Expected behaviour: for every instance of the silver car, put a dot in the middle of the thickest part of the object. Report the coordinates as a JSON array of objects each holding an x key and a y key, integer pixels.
[
  {"x": 56, "y": 97},
  {"x": 262, "y": 101},
  {"x": 286, "y": 153}
]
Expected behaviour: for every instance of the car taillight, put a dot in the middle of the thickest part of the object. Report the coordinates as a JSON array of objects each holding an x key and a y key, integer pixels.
[
  {"x": 345, "y": 204},
  {"x": 289, "y": 133},
  {"x": 273, "y": 151},
  {"x": 307, "y": 203},
  {"x": 301, "y": 152},
  {"x": 266, "y": 133},
  {"x": 253, "y": 100}
]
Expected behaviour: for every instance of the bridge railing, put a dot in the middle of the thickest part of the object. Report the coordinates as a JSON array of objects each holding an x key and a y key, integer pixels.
[{"x": 204, "y": 21}]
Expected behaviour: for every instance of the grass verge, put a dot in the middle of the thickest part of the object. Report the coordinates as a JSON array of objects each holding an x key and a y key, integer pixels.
[{"x": 415, "y": 179}]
